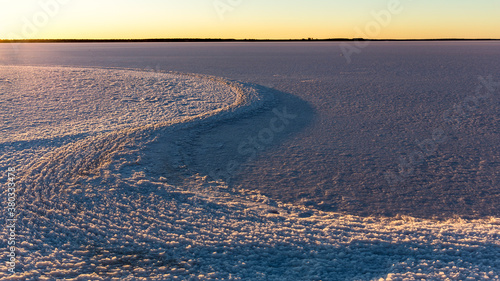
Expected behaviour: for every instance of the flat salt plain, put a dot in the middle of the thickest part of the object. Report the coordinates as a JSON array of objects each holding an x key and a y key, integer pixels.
[{"x": 123, "y": 164}]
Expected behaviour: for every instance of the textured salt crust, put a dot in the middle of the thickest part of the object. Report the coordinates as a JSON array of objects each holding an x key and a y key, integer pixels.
[
  {"x": 92, "y": 208},
  {"x": 51, "y": 102}
]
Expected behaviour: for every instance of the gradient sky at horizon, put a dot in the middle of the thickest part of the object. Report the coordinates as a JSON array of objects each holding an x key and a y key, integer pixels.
[{"x": 258, "y": 19}]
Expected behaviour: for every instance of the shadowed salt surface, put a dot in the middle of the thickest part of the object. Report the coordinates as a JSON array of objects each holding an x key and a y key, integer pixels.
[{"x": 135, "y": 199}]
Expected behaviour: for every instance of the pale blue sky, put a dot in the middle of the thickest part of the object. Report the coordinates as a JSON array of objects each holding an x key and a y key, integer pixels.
[{"x": 24, "y": 19}]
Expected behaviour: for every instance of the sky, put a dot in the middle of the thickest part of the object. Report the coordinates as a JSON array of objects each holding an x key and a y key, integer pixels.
[{"x": 244, "y": 19}]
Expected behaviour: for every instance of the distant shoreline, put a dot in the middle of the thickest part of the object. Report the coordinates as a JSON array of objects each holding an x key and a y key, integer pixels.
[{"x": 224, "y": 40}]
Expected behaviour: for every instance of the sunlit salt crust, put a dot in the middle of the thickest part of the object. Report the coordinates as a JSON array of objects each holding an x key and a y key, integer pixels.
[
  {"x": 101, "y": 199},
  {"x": 50, "y": 102}
]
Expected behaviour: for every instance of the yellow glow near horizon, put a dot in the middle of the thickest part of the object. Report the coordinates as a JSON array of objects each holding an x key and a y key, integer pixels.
[{"x": 259, "y": 19}]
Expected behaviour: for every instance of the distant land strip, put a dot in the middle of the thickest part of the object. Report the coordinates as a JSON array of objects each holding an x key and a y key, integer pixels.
[{"x": 221, "y": 40}]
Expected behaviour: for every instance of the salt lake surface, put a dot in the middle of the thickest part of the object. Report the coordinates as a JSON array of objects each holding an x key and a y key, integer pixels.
[
  {"x": 118, "y": 147},
  {"x": 365, "y": 119}
]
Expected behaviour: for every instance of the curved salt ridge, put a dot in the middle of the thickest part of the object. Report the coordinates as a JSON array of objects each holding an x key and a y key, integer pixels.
[
  {"x": 51, "y": 102},
  {"x": 42, "y": 101}
]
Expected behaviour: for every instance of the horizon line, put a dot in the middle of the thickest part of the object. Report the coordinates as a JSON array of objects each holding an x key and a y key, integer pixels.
[{"x": 227, "y": 40}]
